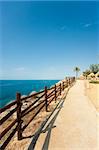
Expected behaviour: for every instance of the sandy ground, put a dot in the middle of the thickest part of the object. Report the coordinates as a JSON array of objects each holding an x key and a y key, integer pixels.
[
  {"x": 74, "y": 125},
  {"x": 92, "y": 91}
]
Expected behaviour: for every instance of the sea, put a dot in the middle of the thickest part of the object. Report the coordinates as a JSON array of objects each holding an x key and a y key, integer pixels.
[{"x": 9, "y": 88}]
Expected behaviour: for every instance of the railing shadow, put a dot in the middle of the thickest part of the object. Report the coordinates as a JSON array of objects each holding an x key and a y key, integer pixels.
[{"x": 48, "y": 128}]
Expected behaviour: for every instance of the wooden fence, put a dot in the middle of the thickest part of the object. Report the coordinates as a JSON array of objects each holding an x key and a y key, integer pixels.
[{"x": 41, "y": 100}]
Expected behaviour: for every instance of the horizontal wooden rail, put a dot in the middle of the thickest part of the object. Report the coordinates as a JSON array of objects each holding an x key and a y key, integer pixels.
[
  {"x": 52, "y": 98},
  {"x": 8, "y": 128},
  {"x": 49, "y": 94},
  {"x": 7, "y": 116},
  {"x": 7, "y": 106},
  {"x": 37, "y": 101},
  {"x": 9, "y": 138},
  {"x": 33, "y": 103},
  {"x": 32, "y": 95},
  {"x": 33, "y": 117},
  {"x": 25, "y": 113}
]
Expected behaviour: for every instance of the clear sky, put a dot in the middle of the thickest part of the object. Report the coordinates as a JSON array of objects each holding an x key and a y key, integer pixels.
[{"x": 46, "y": 40}]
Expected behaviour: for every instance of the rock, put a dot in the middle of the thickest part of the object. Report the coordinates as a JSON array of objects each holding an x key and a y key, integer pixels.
[
  {"x": 52, "y": 86},
  {"x": 23, "y": 96},
  {"x": 41, "y": 90},
  {"x": 33, "y": 92},
  {"x": 58, "y": 82}
]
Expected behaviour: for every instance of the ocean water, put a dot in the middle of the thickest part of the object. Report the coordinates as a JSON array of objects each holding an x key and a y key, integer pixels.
[{"x": 8, "y": 88}]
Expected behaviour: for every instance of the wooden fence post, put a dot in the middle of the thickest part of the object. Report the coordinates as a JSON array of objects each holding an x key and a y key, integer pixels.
[
  {"x": 66, "y": 85},
  {"x": 55, "y": 93},
  {"x": 69, "y": 81},
  {"x": 66, "y": 78},
  {"x": 46, "y": 99},
  {"x": 19, "y": 104},
  {"x": 60, "y": 88},
  {"x": 63, "y": 85}
]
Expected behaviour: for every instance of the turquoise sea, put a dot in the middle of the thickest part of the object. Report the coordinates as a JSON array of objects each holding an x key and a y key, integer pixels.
[{"x": 8, "y": 88}]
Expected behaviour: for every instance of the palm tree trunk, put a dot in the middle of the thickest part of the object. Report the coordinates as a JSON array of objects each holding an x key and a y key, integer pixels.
[{"x": 76, "y": 74}]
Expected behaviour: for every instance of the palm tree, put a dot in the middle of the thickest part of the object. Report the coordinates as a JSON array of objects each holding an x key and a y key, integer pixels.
[
  {"x": 76, "y": 69},
  {"x": 94, "y": 68},
  {"x": 86, "y": 73}
]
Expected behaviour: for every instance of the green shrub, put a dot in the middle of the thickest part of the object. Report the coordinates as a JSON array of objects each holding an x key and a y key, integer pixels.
[{"x": 95, "y": 82}]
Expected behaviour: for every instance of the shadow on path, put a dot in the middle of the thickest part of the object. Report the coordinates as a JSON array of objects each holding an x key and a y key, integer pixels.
[{"x": 48, "y": 128}]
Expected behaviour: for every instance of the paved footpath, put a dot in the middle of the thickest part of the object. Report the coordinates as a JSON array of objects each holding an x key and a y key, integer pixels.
[{"x": 75, "y": 127}]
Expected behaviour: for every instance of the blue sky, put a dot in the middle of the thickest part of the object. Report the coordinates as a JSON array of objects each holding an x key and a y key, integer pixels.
[{"x": 46, "y": 40}]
